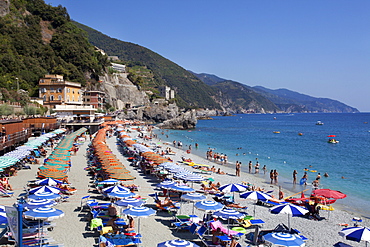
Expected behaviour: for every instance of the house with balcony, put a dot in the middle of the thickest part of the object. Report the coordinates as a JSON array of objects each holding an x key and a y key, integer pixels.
[
  {"x": 96, "y": 99},
  {"x": 54, "y": 90}
]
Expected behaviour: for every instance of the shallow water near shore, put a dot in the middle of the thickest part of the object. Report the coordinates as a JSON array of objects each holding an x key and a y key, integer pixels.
[{"x": 248, "y": 137}]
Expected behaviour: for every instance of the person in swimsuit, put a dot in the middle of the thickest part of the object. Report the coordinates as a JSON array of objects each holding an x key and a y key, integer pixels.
[
  {"x": 237, "y": 169},
  {"x": 295, "y": 176}
]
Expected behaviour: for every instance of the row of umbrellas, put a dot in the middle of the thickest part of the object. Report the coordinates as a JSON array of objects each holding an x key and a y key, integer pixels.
[
  {"x": 21, "y": 152},
  {"x": 58, "y": 162},
  {"x": 110, "y": 164}
]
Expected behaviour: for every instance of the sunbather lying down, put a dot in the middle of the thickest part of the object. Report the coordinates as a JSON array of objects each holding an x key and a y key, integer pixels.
[
  {"x": 227, "y": 203},
  {"x": 162, "y": 204}
]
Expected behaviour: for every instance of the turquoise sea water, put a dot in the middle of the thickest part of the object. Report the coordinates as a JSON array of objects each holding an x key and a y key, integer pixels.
[{"x": 286, "y": 151}]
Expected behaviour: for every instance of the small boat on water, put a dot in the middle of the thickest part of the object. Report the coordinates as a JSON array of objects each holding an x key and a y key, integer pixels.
[
  {"x": 332, "y": 140},
  {"x": 276, "y": 132},
  {"x": 319, "y": 123},
  {"x": 300, "y": 134}
]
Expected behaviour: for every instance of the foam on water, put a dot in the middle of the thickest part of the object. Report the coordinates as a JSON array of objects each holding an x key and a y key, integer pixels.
[{"x": 287, "y": 151}]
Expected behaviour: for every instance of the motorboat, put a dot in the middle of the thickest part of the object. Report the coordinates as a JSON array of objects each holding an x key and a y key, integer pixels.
[
  {"x": 319, "y": 123},
  {"x": 332, "y": 140}
]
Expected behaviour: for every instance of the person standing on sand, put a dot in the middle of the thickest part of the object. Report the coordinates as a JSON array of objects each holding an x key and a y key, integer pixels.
[
  {"x": 264, "y": 168},
  {"x": 276, "y": 174},
  {"x": 237, "y": 169},
  {"x": 257, "y": 168},
  {"x": 250, "y": 166},
  {"x": 295, "y": 176},
  {"x": 272, "y": 176}
]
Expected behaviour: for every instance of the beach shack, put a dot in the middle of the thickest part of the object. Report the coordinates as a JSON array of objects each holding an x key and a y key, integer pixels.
[
  {"x": 40, "y": 124},
  {"x": 13, "y": 133}
]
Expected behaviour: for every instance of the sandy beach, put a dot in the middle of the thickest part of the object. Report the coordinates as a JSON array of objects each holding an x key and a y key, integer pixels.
[{"x": 73, "y": 229}]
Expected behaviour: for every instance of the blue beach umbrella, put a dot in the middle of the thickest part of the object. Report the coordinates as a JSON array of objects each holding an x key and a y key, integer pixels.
[
  {"x": 129, "y": 202},
  {"x": 177, "y": 243},
  {"x": 284, "y": 239},
  {"x": 227, "y": 213},
  {"x": 192, "y": 177},
  {"x": 44, "y": 188},
  {"x": 109, "y": 181},
  {"x": 121, "y": 194},
  {"x": 139, "y": 212},
  {"x": 48, "y": 181},
  {"x": 289, "y": 209},
  {"x": 44, "y": 195},
  {"x": 209, "y": 205},
  {"x": 37, "y": 203},
  {"x": 255, "y": 195},
  {"x": 166, "y": 184},
  {"x": 115, "y": 188},
  {"x": 43, "y": 213},
  {"x": 233, "y": 188},
  {"x": 356, "y": 234},
  {"x": 182, "y": 188},
  {"x": 193, "y": 197}
]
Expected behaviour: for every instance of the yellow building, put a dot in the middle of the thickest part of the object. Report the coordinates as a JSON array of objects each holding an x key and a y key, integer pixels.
[{"x": 54, "y": 90}]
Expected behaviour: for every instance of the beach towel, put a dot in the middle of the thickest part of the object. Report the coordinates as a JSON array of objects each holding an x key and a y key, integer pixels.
[
  {"x": 217, "y": 224},
  {"x": 95, "y": 223}
]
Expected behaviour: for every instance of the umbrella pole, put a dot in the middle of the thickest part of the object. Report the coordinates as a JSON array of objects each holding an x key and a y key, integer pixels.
[
  {"x": 138, "y": 226},
  {"x": 40, "y": 235},
  {"x": 289, "y": 222},
  {"x": 193, "y": 208}
]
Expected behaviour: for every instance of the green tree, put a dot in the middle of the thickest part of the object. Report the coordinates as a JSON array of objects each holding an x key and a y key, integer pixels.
[
  {"x": 30, "y": 110},
  {"x": 6, "y": 110}
]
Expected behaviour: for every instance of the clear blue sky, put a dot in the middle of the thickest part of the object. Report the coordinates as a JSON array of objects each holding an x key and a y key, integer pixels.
[{"x": 319, "y": 48}]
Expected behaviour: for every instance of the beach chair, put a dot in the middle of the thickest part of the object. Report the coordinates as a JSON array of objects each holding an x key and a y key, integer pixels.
[
  {"x": 268, "y": 203},
  {"x": 182, "y": 222},
  {"x": 83, "y": 202},
  {"x": 201, "y": 236},
  {"x": 5, "y": 193}
]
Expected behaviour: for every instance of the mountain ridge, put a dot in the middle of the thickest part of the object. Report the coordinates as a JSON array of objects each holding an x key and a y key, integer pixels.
[{"x": 284, "y": 99}]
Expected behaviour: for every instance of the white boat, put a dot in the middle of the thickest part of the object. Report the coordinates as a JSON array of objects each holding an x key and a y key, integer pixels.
[{"x": 319, "y": 123}]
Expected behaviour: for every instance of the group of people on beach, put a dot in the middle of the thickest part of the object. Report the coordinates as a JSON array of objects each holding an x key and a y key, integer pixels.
[{"x": 216, "y": 157}]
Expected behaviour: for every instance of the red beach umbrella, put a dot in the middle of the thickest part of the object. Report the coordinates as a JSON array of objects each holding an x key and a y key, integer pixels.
[{"x": 328, "y": 193}]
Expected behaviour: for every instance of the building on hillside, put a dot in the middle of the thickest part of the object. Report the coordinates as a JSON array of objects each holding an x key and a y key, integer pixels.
[
  {"x": 94, "y": 98},
  {"x": 166, "y": 92},
  {"x": 54, "y": 90},
  {"x": 113, "y": 58},
  {"x": 119, "y": 67}
]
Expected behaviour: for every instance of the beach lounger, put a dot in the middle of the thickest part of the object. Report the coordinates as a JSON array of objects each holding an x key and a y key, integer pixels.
[
  {"x": 83, "y": 202},
  {"x": 217, "y": 224},
  {"x": 117, "y": 240},
  {"x": 268, "y": 203},
  {"x": 5, "y": 193},
  {"x": 201, "y": 236}
]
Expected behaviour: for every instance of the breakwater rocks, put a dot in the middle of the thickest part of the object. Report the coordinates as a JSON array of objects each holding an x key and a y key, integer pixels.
[{"x": 184, "y": 121}]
